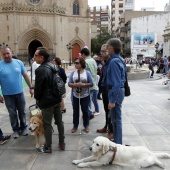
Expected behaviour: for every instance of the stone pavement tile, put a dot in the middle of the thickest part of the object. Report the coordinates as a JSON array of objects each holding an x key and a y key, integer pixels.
[
  {"x": 71, "y": 141},
  {"x": 6, "y": 127},
  {"x": 165, "y": 126},
  {"x": 58, "y": 160},
  {"x": 129, "y": 129},
  {"x": 150, "y": 108},
  {"x": 23, "y": 143},
  {"x": 161, "y": 118},
  {"x": 157, "y": 142},
  {"x": 132, "y": 111},
  {"x": 125, "y": 119},
  {"x": 17, "y": 159},
  {"x": 141, "y": 119},
  {"x": 145, "y": 129},
  {"x": 133, "y": 140},
  {"x": 1, "y": 151}
]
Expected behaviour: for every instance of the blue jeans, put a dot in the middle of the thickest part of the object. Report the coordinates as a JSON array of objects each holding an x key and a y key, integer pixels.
[
  {"x": 152, "y": 72},
  {"x": 116, "y": 117},
  {"x": 1, "y": 134},
  {"x": 84, "y": 102},
  {"x": 16, "y": 108},
  {"x": 89, "y": 105},
  {"x": 95, "y": 101}
]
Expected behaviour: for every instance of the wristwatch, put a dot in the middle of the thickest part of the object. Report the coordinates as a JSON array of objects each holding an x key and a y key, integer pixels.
[{"x": 31, "y": 88}]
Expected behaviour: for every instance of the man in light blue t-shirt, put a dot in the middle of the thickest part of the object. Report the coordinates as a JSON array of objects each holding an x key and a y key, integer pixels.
[{"x": 11, "y": 72}]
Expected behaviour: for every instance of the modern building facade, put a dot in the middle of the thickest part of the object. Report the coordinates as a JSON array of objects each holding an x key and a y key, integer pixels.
[
  {"x": 28, "y": 24},
  {"x": 144, "y": 32},
  {"x": 167, "y": 7},
  {"x": 100, "y": 16},
  {"x": 124, "y": 29},
  {"x": 117, "y": 8}
]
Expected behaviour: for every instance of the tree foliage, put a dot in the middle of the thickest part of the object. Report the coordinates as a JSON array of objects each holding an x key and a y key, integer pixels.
[{"x": 99, "y": 40}]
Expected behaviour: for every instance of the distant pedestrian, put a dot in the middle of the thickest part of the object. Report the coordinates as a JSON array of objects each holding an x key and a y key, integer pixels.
[
  {"x": 63, "y": 75},
  {"x": 115, "y": 82},
  {"x": 11, "y": 72},
  {"x": 151, "y": 67},
  {"x": 48, "y": 103},
  {"x": 165, "y": 65},
  {"x": 3, "y": 138},
  {"x": 168, "y": 66},
  {"x": 80, "y": 81}
]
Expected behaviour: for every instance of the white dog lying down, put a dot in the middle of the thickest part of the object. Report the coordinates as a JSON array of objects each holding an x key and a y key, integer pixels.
[{"x": 106, "y": 152}]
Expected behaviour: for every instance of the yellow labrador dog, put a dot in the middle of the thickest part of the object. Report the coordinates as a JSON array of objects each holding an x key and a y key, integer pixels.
[
  {"x": 36, "y": 127},
  {"x": 106, "y": 152}
]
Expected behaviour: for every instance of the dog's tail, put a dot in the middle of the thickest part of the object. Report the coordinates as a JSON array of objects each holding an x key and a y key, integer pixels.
[{"x": 162, "y": 155}]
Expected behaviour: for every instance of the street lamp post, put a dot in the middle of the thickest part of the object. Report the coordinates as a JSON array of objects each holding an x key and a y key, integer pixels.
[
  {"x": 69, "y": 48},
  {"x": 156, "y": 48}
]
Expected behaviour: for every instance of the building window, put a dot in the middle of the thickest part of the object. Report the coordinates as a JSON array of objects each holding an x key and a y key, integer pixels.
[
  {"x": 120, "y": 5},
  {"x": 76, "y": 8}
]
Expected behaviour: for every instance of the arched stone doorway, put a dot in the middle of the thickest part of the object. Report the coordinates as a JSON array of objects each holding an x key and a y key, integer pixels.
[
  {"x": 75, "y": 51},
  {"x": 33, "y": 46}
]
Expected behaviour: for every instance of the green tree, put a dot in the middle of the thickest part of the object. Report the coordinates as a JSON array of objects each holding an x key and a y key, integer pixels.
[{"x": 99, "y": 40}]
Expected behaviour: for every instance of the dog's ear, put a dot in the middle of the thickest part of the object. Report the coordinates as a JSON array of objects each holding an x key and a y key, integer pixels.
[
  {"x": 39, "y": 115},
  {"x": 105, "y": 148}
]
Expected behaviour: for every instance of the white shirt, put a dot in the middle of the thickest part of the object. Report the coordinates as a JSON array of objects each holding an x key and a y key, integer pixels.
[{"x": 34, "y": 67}]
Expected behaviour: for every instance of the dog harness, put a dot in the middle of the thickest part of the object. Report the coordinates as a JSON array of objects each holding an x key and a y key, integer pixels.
[{"x": 114, "y": 154}]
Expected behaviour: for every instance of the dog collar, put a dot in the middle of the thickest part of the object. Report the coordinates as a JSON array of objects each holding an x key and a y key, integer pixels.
[{"x": 114, "y": 149}]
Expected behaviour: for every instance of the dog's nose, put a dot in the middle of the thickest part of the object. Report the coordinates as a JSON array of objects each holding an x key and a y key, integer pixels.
[
  {"x": 90, "y": 148},
  {"x": 29, "y": 128}
]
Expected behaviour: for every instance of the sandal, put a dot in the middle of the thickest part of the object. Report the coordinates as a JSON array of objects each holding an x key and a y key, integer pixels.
[
  {"x": 73, "y": 130},
  {"x": 87, "y": 130}
]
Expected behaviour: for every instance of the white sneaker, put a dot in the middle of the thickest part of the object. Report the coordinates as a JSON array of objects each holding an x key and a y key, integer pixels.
[
  {"x": 96, "y": 113},
  {"x": 24, "y": 132},
  {"x": 15, "y": 135}
]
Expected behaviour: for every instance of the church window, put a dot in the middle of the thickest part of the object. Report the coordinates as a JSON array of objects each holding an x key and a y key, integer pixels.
[{"x": 76, "y": 8}]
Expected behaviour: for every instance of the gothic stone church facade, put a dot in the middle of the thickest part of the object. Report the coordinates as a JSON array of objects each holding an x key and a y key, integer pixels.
[{"x": 28, "y": 24}]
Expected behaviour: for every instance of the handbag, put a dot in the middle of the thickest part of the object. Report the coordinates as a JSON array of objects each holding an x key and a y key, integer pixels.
[
  {"x": 126, "y": 85},
  {"x": 127, "y": 88}
]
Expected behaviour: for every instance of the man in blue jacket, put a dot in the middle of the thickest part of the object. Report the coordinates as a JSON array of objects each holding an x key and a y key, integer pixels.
[{"x": 115, "y": 84}]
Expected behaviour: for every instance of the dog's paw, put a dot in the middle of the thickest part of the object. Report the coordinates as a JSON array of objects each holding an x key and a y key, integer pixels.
[
  {"x": 82, "y": 165},
  {"x": 75, "y": 162}
]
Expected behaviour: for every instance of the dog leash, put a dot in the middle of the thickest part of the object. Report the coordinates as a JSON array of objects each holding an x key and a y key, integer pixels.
[{"x": 114, "y": 154}]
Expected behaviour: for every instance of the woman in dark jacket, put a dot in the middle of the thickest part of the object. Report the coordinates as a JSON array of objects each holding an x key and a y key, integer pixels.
[{"x": 57, "y": 61}]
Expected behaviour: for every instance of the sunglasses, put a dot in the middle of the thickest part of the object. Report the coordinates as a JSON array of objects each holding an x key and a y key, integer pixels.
[{"x": 76, "y": 63}]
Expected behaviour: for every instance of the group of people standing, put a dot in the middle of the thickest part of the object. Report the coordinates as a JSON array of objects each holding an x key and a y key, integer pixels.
[{"x": 84, "y": 84}]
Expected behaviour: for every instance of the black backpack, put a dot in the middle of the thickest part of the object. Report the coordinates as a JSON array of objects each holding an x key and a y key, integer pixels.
[{"x": 57, "y": 85}]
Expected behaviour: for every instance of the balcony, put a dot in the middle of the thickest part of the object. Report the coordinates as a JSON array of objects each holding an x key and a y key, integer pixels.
[{"x": 127, "y": 39}]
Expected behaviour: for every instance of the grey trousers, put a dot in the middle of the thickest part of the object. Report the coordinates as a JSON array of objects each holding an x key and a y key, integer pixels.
[{"x": 48, "y": 114}]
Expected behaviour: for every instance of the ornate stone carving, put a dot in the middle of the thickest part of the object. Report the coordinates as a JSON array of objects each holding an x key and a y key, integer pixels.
[
  {"x": 17, "y": 7},
  {"x": 77, "y": 30},
  {"x": 82, "y": 20}
]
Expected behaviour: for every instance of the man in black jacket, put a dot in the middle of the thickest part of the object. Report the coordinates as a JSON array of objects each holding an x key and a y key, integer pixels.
[{"x": 49, "y": 104}]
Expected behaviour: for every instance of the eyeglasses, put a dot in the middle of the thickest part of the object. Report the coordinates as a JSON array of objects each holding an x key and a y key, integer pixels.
[
  {"x": 102, "y": 51},
  {"x": 76, "y": 63}
]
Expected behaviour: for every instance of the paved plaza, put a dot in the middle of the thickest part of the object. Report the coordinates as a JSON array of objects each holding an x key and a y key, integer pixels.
[{"x": 146, "y": 121}]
